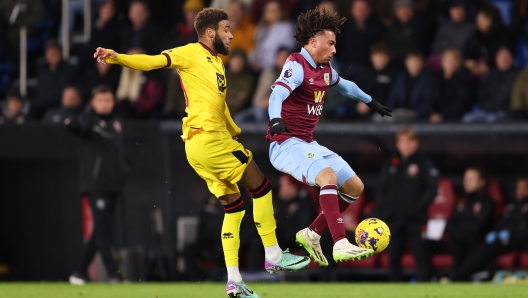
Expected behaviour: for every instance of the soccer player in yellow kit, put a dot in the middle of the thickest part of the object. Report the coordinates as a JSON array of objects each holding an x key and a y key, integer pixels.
[{"x": 211, "y": 147}]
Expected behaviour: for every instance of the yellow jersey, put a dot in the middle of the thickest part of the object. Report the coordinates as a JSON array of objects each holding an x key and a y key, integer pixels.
[{"x": 203, "y": 81}]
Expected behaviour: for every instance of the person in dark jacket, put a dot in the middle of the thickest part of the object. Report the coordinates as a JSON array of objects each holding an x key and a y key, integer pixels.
[
  {"x": 102, "y": 176},
  {"x": 377, "y": 79},
  {"x": 407, "y": 33},
  {"x": 408, "y": 184},
  {"x": 409, "y": 97},
  {"x": 471, "y": 219},
  {"x": 510, "y": 234},
  {"x": 71, "y": 106},
  {"x": 52, "y": 79},
  {"x": 490, "y": 36},
  {"x": 13, "y": 113},
  {"x": 494, "y": 101},
  {"x": 358, "y": 34},
  {"x": 100, "y": 74},
  {"x": 140, "y": 33},
  {"x": 455, "y": 32},
  {"x": 451, "y": 89}
]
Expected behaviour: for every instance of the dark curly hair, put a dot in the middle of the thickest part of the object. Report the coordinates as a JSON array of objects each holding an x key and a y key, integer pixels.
[
  {"x": 314, "y": 22},
  {"x": 209, "y": 18}
]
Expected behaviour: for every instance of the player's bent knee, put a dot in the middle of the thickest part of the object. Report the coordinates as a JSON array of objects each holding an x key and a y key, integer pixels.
[{"x": 326, "y": 176}]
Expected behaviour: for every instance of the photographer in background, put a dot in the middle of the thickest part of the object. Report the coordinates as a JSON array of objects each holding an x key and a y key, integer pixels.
[{"x": 102, "y": 176}]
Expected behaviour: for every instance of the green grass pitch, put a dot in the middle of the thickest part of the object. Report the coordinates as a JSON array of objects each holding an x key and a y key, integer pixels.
[{"x": 288, "y": 290}]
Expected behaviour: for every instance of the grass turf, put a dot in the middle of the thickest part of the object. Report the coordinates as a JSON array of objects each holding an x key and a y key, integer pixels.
[{"x": 289, "y": 290}]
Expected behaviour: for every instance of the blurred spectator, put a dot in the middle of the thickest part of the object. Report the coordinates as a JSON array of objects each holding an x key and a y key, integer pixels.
[
  {"x": 519, "y": 96},
  {"x": 410, "y": 93},
  {"x": 140, "y": 33},
  {"x": 139, "y": 94},
  {"x": 102, "y": 176},
  {"x": 106, "y": 32},
  {"x": 52, "y": 79},
  {"x": 241, "y": 27},
  {"x": 407, "y": 33},
  {"x": 327, "y": 5},
  {"x": 272, "y": 33},
  {"x": 408, "y": 184},
  {"x": 510, "y": 234},
  {"x": 34, "y": 13},
  {"x": 258, "y": 9},
  {"x": 489, "y": 37},
  {"x": 494, "y": 101},
  {"x": 70, "y": 108},
  {"x": 376, "y": 80},
  {"x": 224, "y": 4},
  {"x": 471, "y": 219},
  {"x": 259, "y": 110},
  {"x": 98, "y": 74},
  {"x": 184, "y": 33},
  {"x": 451, "y": 89},
  {"x": 241, "y": 82},
  {"x": 455, "y": 32},
  {"x": 357, "y": 36},
  {"x": 12, "y": 112}
]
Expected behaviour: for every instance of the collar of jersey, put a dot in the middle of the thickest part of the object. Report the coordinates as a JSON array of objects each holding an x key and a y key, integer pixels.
[
  {"x": 308, "y": 58},
  {"x": 208, "y": 49}
]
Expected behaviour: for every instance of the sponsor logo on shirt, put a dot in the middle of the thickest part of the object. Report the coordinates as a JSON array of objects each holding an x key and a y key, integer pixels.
[
  {"x": 220, "y": 80},
  {"x": 315, "y": 110},
  {"x": 318, "y": 96}
]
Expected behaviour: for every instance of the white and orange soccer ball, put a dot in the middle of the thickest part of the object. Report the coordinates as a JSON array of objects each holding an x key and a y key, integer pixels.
[{"x": 373, "y": 233}]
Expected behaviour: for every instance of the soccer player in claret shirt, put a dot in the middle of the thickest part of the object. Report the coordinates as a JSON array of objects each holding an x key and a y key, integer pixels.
[
  {"x": 295, "y": 106},
  {"x": 211, "y": 147}
]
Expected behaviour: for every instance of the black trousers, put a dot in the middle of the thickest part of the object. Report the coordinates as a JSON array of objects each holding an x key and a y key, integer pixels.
[
  {"x": 103, "y": 210},
  {"x": 461, "y": 250},
  {"x": 480, "y": 258},
  {"x": 400, "y": 234}
]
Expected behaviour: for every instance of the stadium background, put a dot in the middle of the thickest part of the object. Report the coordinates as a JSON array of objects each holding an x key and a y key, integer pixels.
[{"x": 41, "y": 222}]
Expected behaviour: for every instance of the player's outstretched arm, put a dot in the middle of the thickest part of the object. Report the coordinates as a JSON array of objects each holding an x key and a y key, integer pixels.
[
  {"x": 351, "y": 90},
  {"x": 137, "y": 61}
]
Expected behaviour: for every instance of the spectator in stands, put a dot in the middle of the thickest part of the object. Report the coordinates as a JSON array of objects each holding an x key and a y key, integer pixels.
[
  {"x": 52, "y": 79},
  {"x": 494, "y": 101},
  {"x": 241, "y": 27},
  {"x": 224, "y": 4},
  {"x": 377, "y": 79},
  {"x": 102, "y": 176},
  {"x": 258, "y": 112},
  {"x": 510, "y": 234},
  {"x": 106, "y": 32},
  {"x": 453, "y": 33},
  {"x": 451, "y": 89},
  {"x": 408, "y": 184},
  {"x": 98, "y": 74},
  {"x": 407, "y": 33},
  {"x": 409, "y": 96},
  {"x": 258, "y": 9},
  {"x": 519, "y": 96},
  {"x": 486, "y": 41},
  {"x": 139, "y": 94},
  {"x": 471, "y": 219},
  {"x": 241, "y": 82},
  {"x": 272, "y": 33},
  {"x": 358, "y": 34},
  {"x": 184, "y": 32},
  {"x": 71, "y": 106},
  {"x": 13, "y": 111},
  {"x": 140, "y": 33}
]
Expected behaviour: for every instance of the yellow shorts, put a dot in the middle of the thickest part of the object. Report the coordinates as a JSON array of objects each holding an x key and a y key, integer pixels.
[{"x": 218, "y": 159}]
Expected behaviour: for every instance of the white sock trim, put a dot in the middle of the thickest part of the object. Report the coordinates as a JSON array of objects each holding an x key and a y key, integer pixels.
[
  {"x": 273, "y": 253},
  {"x": 233, "y": 274}
]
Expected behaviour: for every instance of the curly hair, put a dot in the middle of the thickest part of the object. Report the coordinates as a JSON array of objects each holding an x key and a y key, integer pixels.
[
  {"x": 209, "y": 18},
  {"x": 314, "y": 22}
]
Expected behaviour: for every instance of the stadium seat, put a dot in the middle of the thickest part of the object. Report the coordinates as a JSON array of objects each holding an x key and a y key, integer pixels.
[
  {"x": 442, "y": 261},
  {"x": 507, "y": 261},
  {"x": 444, "y": 201},
  {"x": 504, "y": 7},
  {"x": 407, "y": 261},
  {"x": 523, "y": 260},
  {"x": 494, "y": 192}
]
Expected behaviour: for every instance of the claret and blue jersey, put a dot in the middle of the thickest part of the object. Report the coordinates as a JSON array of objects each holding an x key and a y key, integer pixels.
[{"x": 297, "y": 98}]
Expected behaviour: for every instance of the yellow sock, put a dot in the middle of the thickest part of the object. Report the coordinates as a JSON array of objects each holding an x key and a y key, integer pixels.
[
  {"x": 231, "y": 234},
  {"x": 263, "y": 213}
]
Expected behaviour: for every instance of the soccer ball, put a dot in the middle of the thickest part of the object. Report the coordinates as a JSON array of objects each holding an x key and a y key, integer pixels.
[{"x": 373, "y": 233}]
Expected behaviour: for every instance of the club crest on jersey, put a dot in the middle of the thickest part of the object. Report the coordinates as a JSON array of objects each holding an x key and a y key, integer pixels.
[
  {"x": 318, "y": 96},
  {"x": 310, "y": 154},
  {"x": 288, "y": 73},
  {"x": 327, "y": 78},
  {"x": 220, "y": 80}
]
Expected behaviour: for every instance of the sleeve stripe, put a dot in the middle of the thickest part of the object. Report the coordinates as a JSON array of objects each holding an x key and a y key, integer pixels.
[
  {"x": 283, "y": 85},
  {"x": 169, "y": 62},
  {"x": 336, "y": 82}
]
